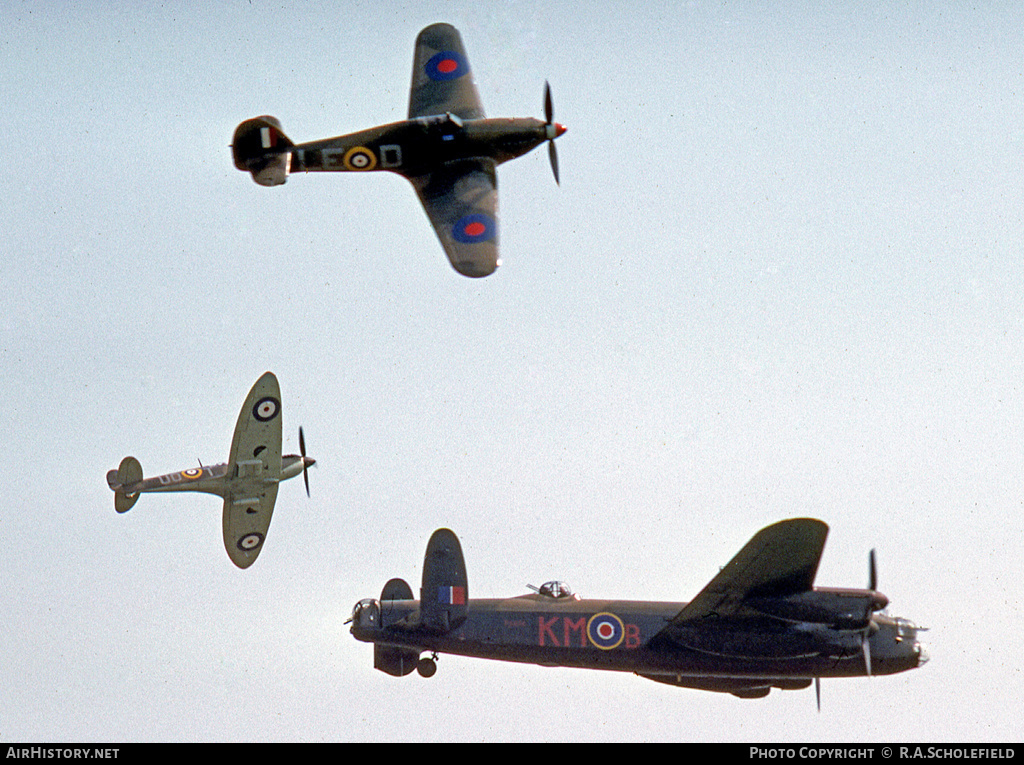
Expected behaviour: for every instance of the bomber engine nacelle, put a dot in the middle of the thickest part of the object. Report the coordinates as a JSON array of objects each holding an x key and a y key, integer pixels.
[
  {"x": 842, "y": 609},
  {"x": 260, "y": 147}
]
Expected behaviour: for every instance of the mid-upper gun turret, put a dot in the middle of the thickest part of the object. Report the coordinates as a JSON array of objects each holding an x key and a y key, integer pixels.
[{"x": 555, "y": 590}]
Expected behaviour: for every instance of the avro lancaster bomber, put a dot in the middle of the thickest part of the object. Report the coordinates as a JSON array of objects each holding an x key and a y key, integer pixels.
[{"x": 759, "y": 624}]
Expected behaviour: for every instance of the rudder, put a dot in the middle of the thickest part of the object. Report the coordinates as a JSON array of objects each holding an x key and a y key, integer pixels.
[
  {"x": 444, "y": 596},
  {"x": 128, "y": 473},
  {"x": 393, "y": 661},
  {"x": 260, "y": 147}
]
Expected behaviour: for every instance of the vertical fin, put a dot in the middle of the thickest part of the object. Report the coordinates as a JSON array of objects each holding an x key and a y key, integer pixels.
[
  {"x": 393, "y": 661},
  {"x": 128, "y": 473},
  {"x": 395, "y": 589},
  {"x": 445, "y": 594}
]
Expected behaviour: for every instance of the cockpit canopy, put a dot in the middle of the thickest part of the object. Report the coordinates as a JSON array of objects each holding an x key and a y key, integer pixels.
[{"x": 554, "y": 589}]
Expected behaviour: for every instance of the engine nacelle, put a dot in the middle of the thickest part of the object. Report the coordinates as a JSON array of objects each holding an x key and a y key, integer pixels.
[
  {"x": 842, "y": 609},
  {"x": 260, "y": 147}
]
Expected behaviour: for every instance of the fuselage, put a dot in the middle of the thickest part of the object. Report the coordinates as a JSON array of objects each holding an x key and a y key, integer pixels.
[
  {"x": 632, "y": 636},
  {"x": 214, "y": 479},
  {"x": 419, "y": 146}
]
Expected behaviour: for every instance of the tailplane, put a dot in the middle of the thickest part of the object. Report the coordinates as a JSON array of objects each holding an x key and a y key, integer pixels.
[
  {"x": 121, "y": 481},
  {"x": 260, "y": 147}
]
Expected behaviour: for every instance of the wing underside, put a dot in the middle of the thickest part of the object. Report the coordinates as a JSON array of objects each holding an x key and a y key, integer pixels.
[
  {"x": 746, "y": 688},
  {"x": 461, "y": 200},
  {"x": 254, "y": 470}
]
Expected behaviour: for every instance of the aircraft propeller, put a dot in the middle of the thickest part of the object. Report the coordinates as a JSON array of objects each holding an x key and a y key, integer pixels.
[
  {"x": 306, "y": 462},
  {"x": 880, "y": 602},
  {"x": 553, "y": 130},
  {"x": 865, "y": 645}
]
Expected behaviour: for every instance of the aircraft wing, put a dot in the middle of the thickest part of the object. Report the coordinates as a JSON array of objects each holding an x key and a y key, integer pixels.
[
  {"x": 253, "y": 472},
  {"x": 441, "y": 80},
  {"x": 461, "y": 200},
  {"x": 781, "y": 559}
]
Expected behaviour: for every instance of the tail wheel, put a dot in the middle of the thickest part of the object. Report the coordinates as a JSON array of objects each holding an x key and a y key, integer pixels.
[{"x": 426, "y": 667}]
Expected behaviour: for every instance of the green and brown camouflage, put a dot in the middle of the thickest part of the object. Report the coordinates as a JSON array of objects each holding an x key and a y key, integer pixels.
[{"x": 447, "y": 149}]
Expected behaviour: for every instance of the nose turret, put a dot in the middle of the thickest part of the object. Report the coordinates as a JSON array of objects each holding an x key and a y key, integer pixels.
[{"x": 895, "y": 646}]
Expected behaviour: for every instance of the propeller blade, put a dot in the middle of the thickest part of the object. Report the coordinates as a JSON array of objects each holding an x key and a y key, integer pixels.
[
  {"x": 879, "y": 601},
  {"x": 817, "y": 692},
  {"x": 552, "y": 129},
  {"x": 305, "y": 465}
]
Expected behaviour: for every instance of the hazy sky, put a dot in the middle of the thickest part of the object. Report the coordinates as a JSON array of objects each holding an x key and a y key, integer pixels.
[{"x": 782, "y": 276}]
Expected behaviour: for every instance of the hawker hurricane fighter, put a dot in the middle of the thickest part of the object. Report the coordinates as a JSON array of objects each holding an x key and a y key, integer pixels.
[
  {"x": 446, "y": 148},
  {"x": 247, "y": 482},
  {"x": 759, "y": 624}
]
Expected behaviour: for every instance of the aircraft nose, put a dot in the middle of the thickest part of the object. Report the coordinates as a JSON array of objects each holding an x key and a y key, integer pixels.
[
  {"x": 922, "y": 655},
  {"x": 308, "y": 461},
  {"x": 559, "y": 129}
]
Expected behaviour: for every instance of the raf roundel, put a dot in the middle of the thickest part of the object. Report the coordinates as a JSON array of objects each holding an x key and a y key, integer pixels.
[
  {"x": 250, "y": 542},
  {"x": 192, "y": 473},
  {"x": 446, "y": 66},
  {"x": 605, "y": 631},
  {"x": 474, "y": 228},
  {"x": 266, "y": 409},
  {"x": 359, "y": 158}
]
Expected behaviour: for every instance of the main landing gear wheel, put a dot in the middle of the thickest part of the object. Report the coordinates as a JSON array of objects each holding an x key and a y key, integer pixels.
[{"x": 426, "y": 667}]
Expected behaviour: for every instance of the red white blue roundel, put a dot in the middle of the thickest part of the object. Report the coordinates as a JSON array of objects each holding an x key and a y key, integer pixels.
[
  {"x": 266, "y": 409},
  {"x": 250, "y": 542},
  {"x": 474, "y": 228},
  {"x": 446, "y": 65},
  {"x": 605, "y": 631}
]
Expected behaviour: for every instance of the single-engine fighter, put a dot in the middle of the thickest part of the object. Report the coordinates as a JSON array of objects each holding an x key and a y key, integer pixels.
[
  {"x": 247, "y": 481},
  {"x": 759, "y": 624},
  {"x": 446, "y": 148}
]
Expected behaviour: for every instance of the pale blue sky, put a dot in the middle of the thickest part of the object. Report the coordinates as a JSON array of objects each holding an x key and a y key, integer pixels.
[{"x": 782, "y": 276}]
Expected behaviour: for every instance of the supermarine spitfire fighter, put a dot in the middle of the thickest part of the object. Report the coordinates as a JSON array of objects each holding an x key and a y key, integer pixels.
[
  {"x": 759, "y": 624},
  {"x": 447, "y": 149},
  {"x": 247, "y": 482}
]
